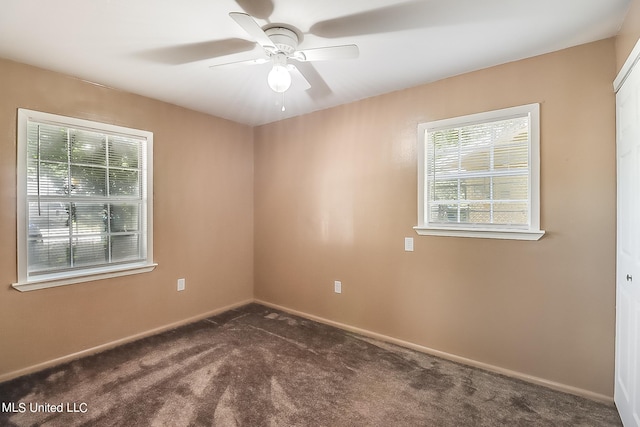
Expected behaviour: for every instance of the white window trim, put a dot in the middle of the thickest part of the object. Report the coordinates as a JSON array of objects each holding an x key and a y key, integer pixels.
[
  {"x": 533, "y": 231},
  {"x": 25, "y": 283}
]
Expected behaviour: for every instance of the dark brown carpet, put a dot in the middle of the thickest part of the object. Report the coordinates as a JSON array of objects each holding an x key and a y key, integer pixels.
[{"x": 255, "y": 366}]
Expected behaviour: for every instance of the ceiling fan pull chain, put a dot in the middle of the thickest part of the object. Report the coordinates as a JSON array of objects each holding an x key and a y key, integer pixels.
[{"x": 283, "y": 109}]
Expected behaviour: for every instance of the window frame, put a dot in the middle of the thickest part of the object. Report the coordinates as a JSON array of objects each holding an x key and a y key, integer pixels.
[
  {"x": 26, "y": 282},
  {"x": 532, "y": 230}
]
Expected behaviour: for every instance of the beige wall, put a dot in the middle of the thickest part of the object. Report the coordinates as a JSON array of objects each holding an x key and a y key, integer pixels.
[
  {"x": 335, "y": 195},
  {"x": 203, "y": 230}
]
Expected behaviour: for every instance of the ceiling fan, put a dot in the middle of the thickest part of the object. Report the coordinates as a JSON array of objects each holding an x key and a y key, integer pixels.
[{"x": 280, "y": 45}]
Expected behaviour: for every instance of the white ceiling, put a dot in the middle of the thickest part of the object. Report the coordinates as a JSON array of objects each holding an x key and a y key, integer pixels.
[{"x": 163, "y": 48}]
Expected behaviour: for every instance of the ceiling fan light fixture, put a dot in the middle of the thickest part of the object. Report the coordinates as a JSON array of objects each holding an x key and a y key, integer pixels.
[
  {"x": 279, "y": 79},
  {"x": 280, "y": 43}
]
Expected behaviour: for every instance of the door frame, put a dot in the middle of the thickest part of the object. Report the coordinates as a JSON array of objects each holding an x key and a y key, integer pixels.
[{"x": 629, "y": 65}]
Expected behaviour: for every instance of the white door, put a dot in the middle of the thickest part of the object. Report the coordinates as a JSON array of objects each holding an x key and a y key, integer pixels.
[{"x": 627, "y": 371}]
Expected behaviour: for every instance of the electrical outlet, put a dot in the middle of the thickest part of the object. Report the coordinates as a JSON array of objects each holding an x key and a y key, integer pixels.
[
  {"x": 337, "y": 287},
  {"x": 408, "y": 244},
  {"x": 181, "y": 284}
]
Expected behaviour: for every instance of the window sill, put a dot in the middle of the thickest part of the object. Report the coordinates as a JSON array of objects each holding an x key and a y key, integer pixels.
[
  {"x": 481, "y": 233},
  {"x": 55, "y": 280}
]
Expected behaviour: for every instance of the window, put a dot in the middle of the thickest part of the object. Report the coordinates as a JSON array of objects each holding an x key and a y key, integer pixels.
[
  {"x": 479, "y": 175},
  {"x": 84, "y": 200}
]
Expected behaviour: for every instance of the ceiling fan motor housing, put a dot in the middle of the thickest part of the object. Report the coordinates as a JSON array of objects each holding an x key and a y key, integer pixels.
[{"x": 285, "y": 40}]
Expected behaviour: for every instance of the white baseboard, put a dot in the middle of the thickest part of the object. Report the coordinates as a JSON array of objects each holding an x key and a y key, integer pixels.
[
  {"x": 112, "y": 344},
  {"x": 463, "y": 360}
]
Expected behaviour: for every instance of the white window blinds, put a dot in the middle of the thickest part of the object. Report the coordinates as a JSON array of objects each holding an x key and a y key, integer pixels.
[{"x": 478, "y": 174}]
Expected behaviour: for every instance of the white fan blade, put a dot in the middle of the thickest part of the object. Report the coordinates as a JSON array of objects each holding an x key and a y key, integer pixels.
[
  {"x": 319, "y": 88},
  {"x": 260, "y": 9},
  {"x": 245, "y": 62},
  {"x": 328, "y": 53},
  {"x": 298, "y": 77},
  {"x": 253, "y": 29}
]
